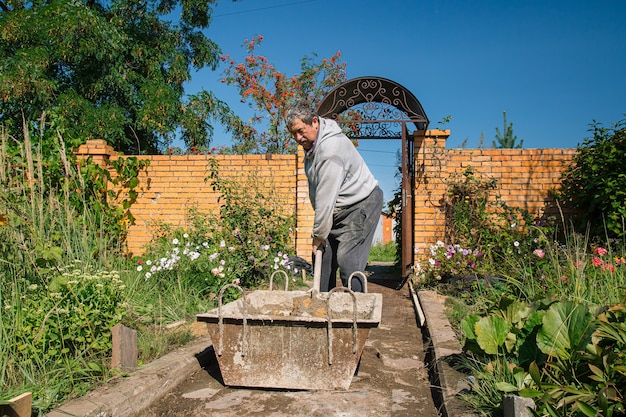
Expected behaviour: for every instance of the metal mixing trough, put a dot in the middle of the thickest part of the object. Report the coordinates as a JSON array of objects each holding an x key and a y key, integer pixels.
[{"x": 292, "y": 339}]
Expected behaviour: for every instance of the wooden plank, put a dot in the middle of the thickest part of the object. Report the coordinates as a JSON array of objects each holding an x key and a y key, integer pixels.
[{"x": 19, "y": 406}]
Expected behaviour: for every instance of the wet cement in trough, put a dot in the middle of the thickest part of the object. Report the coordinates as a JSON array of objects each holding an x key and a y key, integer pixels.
[{"x": 392, "y": 379}]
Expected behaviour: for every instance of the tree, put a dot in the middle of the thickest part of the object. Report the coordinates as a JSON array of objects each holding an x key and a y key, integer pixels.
[
  {"x": 506, "y": 139},
  {"x": 594, "y": 185},
  {"x": 96, "y": 69},
  {"x": 270, "y": 93}
]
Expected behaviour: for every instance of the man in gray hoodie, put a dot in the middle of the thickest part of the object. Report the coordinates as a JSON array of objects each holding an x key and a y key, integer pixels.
[{"x": 344, "y": 193}]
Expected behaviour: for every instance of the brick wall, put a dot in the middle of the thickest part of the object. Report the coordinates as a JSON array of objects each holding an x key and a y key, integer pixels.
[
  {"x": 525, "y": 178},
  {"x": 173, "y": 184}
]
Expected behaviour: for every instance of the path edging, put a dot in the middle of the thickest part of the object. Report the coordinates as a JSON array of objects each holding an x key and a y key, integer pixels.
[{"x": 441, "y": 345}]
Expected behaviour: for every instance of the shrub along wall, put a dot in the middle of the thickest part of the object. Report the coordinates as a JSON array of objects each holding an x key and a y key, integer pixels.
[{"x": 173, "y": 184}]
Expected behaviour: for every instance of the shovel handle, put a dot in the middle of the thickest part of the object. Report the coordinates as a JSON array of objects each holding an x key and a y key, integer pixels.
[{"x": 317, "y": 271}]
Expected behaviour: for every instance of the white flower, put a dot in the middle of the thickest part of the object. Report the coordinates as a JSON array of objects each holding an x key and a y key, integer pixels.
[
  {"x": 139, "y": 268},
  {"x": 149, "y": 262},
  {"x": 516, "y": 243},
  {"x": 222, "y": 244},
  {"x": 186, "y": 236},
  {"x": 148, "y": 275},
  {"x": 175, "y": 241}
]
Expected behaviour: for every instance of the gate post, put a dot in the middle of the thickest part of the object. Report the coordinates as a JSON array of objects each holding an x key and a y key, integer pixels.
[{"x": 430, "y": 175}]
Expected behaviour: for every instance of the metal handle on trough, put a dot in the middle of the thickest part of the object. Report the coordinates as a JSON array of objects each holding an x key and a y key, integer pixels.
[
  {"x": 364, "y": 280},
  {"x": 286, "y": 279},
  {"x": 220, "y": 322},
  {"x": 330, "y": 324}
]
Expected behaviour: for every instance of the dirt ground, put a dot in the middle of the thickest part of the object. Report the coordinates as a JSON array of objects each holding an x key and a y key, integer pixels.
[{"x": 391, "y": 380}]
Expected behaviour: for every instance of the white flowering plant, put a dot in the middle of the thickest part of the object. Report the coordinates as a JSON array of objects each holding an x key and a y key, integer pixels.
[{"x": 208, "y": 264}]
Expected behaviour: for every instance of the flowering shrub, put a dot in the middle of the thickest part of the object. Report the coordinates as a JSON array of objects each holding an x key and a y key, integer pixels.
[
  {"x": 245, "y": 243},
  {"x": 448, "y": 260}
]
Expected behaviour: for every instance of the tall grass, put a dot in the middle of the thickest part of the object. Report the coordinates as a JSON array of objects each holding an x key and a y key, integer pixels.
[{"x": 64, "y": 281}]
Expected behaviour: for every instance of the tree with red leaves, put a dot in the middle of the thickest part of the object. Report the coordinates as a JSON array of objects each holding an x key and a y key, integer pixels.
[{"x": 270, "y": 93}]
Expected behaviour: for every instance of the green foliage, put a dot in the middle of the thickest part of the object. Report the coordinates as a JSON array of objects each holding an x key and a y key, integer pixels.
[
  {"x": 573, "y": 361},
  {"x": 383, "y": 252},
  {"x": 108, "y": 70},
  {"x": 506, "y": 139},
  {"x": 594, "y": 186},
  {"x": 60, "y": 292},
  {"x": 69, "y": 317}
]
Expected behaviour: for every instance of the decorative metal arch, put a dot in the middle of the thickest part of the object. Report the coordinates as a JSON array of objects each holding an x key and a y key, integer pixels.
[{"x": 373, "y": 107}]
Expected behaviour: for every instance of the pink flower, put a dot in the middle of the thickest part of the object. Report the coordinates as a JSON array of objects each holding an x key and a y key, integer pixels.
[
  {"x": 596, "y": 261},
  {"x": 608, "y": 267},
  {"x": 540, "y": 253},
  {"x": 600, "y": 251}
]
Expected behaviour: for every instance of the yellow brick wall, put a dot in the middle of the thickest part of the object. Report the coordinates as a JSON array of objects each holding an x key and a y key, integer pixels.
[
  {"x": 525, "y": 178},
  {"x": 173, "y": 184}
]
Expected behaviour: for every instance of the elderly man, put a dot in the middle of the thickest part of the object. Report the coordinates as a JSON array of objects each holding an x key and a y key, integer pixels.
[{"x": 344, "y": 193}]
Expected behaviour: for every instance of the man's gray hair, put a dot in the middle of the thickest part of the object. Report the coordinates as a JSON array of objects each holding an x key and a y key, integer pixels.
[{"x": 301, "y": 111}]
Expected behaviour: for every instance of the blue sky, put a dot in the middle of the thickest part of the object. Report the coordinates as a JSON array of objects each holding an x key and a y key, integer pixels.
[{"x": 554, "y": 66}]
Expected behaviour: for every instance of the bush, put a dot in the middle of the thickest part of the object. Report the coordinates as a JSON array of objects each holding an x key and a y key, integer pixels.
[
  {"x": 594, "y": 186},
  {"x": 248, "y": 240}
]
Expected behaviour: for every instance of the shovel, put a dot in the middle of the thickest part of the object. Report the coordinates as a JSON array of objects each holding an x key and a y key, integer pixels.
[{"x": 317, "y": 272}]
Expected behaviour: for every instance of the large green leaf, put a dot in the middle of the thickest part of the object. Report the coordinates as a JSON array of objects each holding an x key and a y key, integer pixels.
[
  {"x": 491, "y": 333},
  {"x": 567, "y": 328}
]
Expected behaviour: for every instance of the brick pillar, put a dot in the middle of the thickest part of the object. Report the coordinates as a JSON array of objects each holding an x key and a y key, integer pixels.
[
  {"x": 97, "y": 149},
  {"x": 304, "y": 211},
  {"x": 430, "y": 176}
]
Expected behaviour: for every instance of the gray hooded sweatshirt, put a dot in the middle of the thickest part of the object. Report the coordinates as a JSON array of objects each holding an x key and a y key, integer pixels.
[{"x": 338, "y": 177}]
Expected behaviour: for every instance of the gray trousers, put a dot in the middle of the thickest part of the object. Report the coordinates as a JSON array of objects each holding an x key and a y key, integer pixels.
[{"x": 349, "y": 242}]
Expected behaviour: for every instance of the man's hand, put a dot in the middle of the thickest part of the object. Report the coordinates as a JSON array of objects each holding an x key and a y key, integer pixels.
[{"x": 318, "y": 244}]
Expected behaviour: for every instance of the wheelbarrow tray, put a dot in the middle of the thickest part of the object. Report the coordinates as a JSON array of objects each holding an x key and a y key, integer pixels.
[{"x": 285, "y": 339}]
